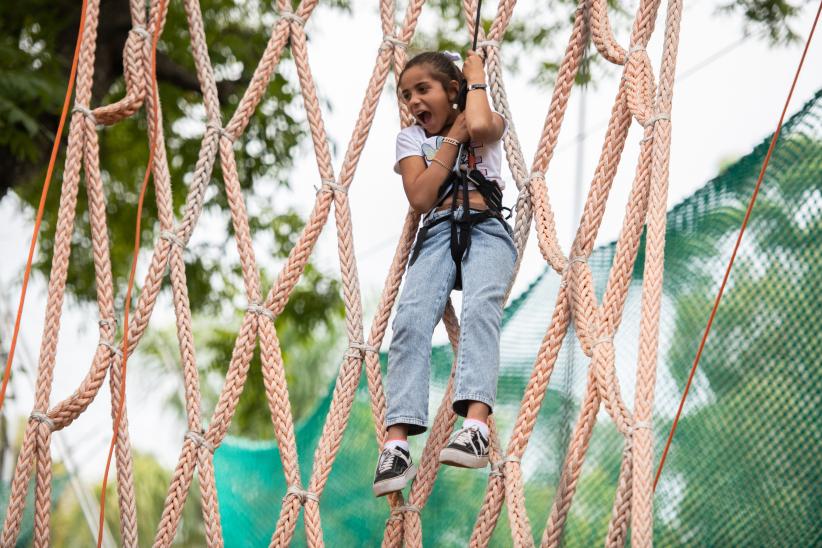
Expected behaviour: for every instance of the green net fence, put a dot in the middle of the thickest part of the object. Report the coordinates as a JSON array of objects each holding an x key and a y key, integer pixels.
[{"x": 745, "y": 468}]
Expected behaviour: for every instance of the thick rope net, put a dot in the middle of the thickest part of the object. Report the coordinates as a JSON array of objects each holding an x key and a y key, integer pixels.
[{"x": 638, "y": 97}]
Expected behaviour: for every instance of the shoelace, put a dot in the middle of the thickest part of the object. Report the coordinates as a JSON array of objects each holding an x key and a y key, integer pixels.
[
  {"x": 465, "y": 437},
  {"x": 388, "y": 460}
]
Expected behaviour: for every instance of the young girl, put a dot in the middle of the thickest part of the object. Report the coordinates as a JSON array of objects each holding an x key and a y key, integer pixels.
[{"x": 450, "y": 166}]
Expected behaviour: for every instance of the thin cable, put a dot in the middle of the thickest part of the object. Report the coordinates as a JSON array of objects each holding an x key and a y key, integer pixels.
[
  {"x": 146, "y": 177},
  {"x": 736, "y": 248},
  {"x": 477, "y": 25},
  {"x": 41, "y": 208}
]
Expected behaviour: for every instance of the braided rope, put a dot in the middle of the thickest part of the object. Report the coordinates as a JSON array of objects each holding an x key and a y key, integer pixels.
[{"x": 595, "y": 323}]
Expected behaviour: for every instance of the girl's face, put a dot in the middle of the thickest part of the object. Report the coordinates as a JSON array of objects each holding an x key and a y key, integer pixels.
[{"x": 427, "y": 99}]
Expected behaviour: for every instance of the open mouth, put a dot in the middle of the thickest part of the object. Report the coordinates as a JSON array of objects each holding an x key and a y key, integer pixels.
[{"x": 424, "y": 117}]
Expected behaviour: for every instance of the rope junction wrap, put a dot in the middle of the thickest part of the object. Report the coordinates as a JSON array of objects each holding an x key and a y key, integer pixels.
[
  {"x": 112, "y": 346},
  {"x": 390, "y": 41},
  {"x": 85, "y": 111},
  {"x": 330, "y": 185},
  {"x": 171, "y": 237},
  {"x": 141, "y": 31},
  {"x": 637, "y": 98},
  {"x": 301, "y": 495},
  {"x": 199, "y": 440},
  {"x": 257, "y": 308},
  {"x": 42, "y": 419}
]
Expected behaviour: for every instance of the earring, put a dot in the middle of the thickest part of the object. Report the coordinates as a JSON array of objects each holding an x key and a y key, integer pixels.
[{"x": 453, "y": 106}]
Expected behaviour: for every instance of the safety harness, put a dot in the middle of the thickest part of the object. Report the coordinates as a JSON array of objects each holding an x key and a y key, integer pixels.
[{"x": 461, "y": 227}]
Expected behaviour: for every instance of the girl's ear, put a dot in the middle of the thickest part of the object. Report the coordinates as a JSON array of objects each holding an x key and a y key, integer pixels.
[{"x": 453, "y": 90}]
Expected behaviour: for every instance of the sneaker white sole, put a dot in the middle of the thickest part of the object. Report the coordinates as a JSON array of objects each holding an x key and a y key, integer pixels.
[
  {"x": 455, "y": 457},
  {"x": 392, "y": 485}
]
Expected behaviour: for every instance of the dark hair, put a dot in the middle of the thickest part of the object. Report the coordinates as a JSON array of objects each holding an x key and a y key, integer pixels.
[{"x": 442, "y": 67}]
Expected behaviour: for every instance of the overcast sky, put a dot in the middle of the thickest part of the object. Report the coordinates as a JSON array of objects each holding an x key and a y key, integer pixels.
[{"x": 728, "y": 99}]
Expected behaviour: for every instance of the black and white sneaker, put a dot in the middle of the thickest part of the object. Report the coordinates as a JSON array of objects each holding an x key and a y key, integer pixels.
[
  {"x": 468, "y": 449},
  {"x": 394, "y": 471}
]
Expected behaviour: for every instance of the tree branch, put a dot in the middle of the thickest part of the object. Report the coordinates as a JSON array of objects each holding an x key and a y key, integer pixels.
[{"x": 171, "y": 72}]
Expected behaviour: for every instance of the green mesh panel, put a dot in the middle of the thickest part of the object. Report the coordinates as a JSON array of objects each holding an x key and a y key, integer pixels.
[
  {"x": 745, "y": 467},
  {"x": 60, "y": 482}
]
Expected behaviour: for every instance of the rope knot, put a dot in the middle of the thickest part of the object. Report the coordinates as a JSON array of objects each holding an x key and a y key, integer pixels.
[
  {"x": 581, "y": 259},
  {"x": 199, "y": 440},
  {"x": 171, "y": 237},
  {"x": 259, "y": 308},
  {"x": 535, "y": 175},
  {"x": 112, "y": 347},
  {"x": 85, "y": 111},
  {"x": 396, "y": 513},
  {"x": 405, "y": 508},
  {"x": 301, "y": 494},
  {"x": 140, "y": 31},
  {"x": 221, "y": 131},
  {"x": 602, "y": 340},
  {"x": 357, "y": 349},
  {"x": 498, "y": 468},
  {"x": 656, "y": 118},
  {"x": 488, "y": 44},
  {"x": 332, "y": 186},
  {"x": 42, "y": 418},
  {"x": 289, "y": 15},
  {"x": 633, "y": 50},
  {"x": 110, "y": 322},
  {"x": 629, "y": 434},
  {"x": 389, "y": 41}
]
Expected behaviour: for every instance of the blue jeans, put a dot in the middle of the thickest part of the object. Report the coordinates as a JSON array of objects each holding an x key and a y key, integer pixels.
[{"x": 486, "y": 272}]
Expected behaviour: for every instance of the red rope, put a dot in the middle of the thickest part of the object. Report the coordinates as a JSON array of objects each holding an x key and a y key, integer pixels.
[
  {"x": 733, "y": 255},
  {"x": 41, "y": 208}
]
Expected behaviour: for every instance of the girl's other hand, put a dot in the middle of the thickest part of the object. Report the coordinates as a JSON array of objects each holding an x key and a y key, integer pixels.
[
  {"x": 472, "y": 68},
  {"x": 459, "y": 130}
]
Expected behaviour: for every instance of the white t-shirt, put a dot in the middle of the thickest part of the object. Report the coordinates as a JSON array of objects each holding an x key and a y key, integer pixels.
[{"x": 412, "y": 141}]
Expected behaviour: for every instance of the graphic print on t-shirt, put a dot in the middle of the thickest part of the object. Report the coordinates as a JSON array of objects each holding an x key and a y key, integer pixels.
[
  {"x": 469, "y": 157},
  {"x": 468, "y": 154},
  {"x": 428, "y": 151}
]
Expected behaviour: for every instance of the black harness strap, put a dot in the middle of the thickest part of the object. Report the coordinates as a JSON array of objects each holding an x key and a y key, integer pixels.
[{"x": 461, "y": 227}]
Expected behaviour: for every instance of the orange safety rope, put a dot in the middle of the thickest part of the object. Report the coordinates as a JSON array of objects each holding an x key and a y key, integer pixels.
[
  {"x": 41, "y": 208},
  {"x": 733, "y": 255},
  {"x": 152, "y": 145}
]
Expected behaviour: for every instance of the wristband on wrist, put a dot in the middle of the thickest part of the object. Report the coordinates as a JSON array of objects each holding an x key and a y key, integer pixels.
[
  {"x": 440, "y": 162},
  {"x": 451, "y": 141},
  {"x": 472, "y": 87}
]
